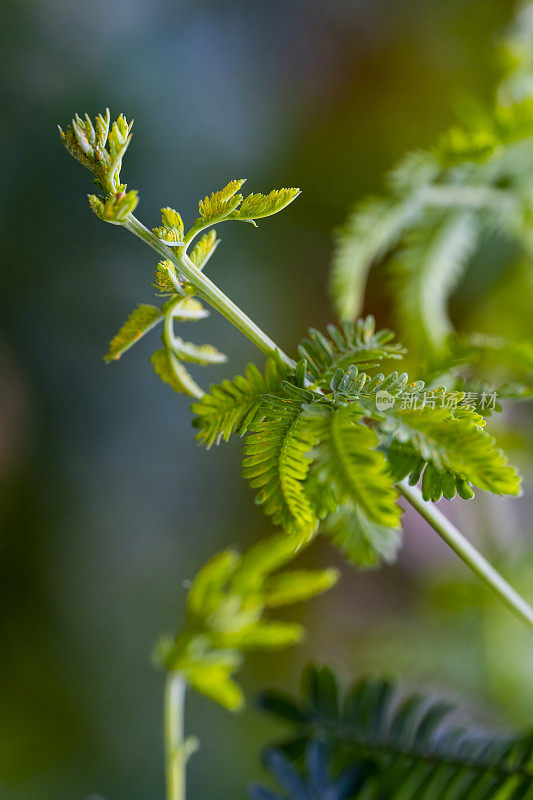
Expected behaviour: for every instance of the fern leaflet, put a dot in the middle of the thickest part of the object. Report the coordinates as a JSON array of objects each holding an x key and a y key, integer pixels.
[
  {"x": 233, "y": 406},
  {"x": 404, "y": 747},
  {"x": 277, "y": 464}
]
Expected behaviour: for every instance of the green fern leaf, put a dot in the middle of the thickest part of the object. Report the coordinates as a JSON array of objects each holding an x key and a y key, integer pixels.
[
  {"x": 348, "y": 462},
  {"x": 358, "y": 343},
  {"x": 371, "y": 230},
  {"x": 277, "y": 463},
  {"x": 451, "y": 444},
  {"x": 363, "y": 542},
  {"x": 233, "y": 406},
  {"x": 405, "y": 748},
  {"x": 427, "y": 270},
  {"x": 141, "y": 320}
]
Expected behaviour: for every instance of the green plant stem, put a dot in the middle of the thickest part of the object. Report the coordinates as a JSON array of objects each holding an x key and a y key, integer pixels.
[
  {"x": 468, "y": 553},
  {"x": 176, "y": 756},
  {"x": 210, "y": 292},
  {"x": 454, "y": 538}
]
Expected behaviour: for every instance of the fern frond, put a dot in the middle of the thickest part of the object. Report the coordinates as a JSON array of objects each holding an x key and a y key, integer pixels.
[
  {"x": 452, "y": 448},
  {"x": 518, "y": 356},
  {"x": 353, "y": 385},
  {"x": 427, "y": 270},
  {"x": 317, "y": 781},
  {"x": 364, "y": 543},
  {"x": 277, "y": 463},
  {"x": 227, "y": 609},
  {"x": 233, "y": 406},
  {"x": 357, "y": 343},
  {"x": 141, "y": 320},
  {"x": 348, "y": 462},
  {"x": 405, "y": 747},
  {"x": 441, "y": 205},
  {"x": 370, "y": 231}
]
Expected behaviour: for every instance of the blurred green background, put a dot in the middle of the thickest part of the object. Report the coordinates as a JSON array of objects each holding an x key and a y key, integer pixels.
[{"x": 107, "y": 504}]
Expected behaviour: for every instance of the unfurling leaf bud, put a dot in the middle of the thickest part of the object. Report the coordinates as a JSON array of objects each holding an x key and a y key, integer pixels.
[
  {"x": 116, "y": 207},
  {"x": 86, "y": 142},
  {"x": 171, "y": 229}
]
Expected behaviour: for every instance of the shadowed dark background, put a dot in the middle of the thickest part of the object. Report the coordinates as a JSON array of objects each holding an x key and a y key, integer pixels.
[{"x": 107, "y": 504}]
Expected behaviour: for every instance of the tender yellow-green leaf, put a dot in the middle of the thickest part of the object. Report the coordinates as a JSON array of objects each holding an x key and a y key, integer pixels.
[
  {"x": 257, "y": 206},
  {"x": 141, "y": 320},
  {"x": 204, "y": 249},
  {"x": 172, "y": 371},
  {"x": 295, "y": 586}
]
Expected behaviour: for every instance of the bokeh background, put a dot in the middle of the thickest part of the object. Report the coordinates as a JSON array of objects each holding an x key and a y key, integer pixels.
[{"x": 107, "y": 504}]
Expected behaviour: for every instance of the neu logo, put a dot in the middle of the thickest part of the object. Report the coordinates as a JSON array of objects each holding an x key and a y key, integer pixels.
[{"x": 384, "y": 400}]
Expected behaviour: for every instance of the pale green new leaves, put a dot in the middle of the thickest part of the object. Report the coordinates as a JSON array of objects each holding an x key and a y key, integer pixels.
[
  {"x": 141, "y": 320},
  {"x": 229, "y": 204},
  {"x": 226, "y": 616},
  {"x": 145, "y": 317},
  {"x": 167, "y": 361},
  {"x": 257, "y": 206},
  {"x": 87, "y": 144},
  {"x": 204, "y": 249},
  {"x": 220, "y": 204},
  {"x": 171, "y": 229},
  {"x": 168, "y": 367},
  {"x": 116, "y": 207}
]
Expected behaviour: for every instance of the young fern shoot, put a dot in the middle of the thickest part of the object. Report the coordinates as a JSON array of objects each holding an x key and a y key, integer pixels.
[
  {"x": 331, "y": 439},
  {"x": 327, "y": 441}
]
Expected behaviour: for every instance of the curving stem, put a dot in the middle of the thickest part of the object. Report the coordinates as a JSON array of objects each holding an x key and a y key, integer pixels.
[{"x": 468, "y": 553}]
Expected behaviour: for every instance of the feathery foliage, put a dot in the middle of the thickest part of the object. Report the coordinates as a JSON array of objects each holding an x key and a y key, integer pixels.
[
  {"x": 328, "y": 439},
  {"x": 276, "y": 462},
  {"x": 352, "y": 344},
  {"x": 452, "y": 450},
  {"x": 316, "y": 780},
  {"x": 233, "y": 406},
  {"x": 227, "y": 615},
  {"x": 441, "y": 206},
  {"x": 348, "y": 462},
  {"x": 393, "y": 747},
  {"x": 363, "y": 542},
  {"x": 332, "y": 451}
]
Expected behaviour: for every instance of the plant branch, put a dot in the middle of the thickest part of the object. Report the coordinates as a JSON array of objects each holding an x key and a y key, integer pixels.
[
  {"x": 210, "y": 292},
  {"x": 453, "y": 537},
  {"x": 176, "y": 751},
  {"x": 468, "y": 553}
]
